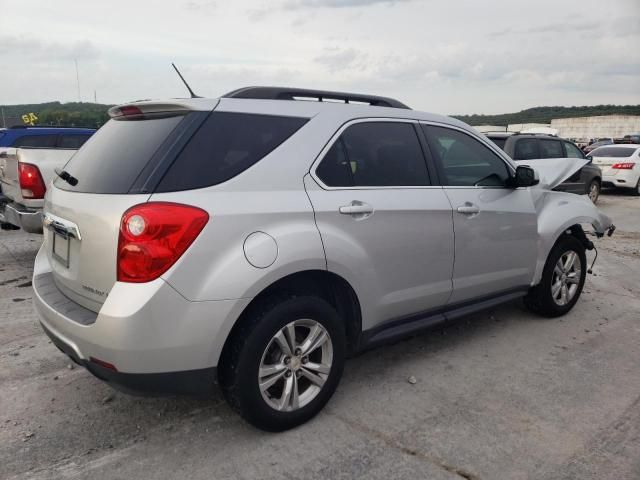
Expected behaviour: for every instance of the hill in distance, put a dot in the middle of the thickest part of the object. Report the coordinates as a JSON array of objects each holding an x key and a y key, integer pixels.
[{"x": 95, "y": 114}]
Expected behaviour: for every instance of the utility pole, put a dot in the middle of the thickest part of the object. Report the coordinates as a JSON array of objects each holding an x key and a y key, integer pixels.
[
  {"x": 78, "y": 79},
  {"x": 95, "y": 97}
]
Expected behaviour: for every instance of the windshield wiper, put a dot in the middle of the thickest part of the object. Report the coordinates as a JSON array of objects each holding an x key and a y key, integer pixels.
[{"x": 66, "y": 176}]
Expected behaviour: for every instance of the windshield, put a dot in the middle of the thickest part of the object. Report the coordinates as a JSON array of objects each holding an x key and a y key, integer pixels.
[{"x": 616, "y": 152}]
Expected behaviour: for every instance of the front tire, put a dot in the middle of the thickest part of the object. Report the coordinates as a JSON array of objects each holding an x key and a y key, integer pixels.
[
  {"x": 562, "y": 279},
  {"x": 284, "y": 362}
]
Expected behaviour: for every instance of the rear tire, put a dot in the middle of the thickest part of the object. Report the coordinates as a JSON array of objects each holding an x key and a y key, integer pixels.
[
  {"x": 261, "y": 351},
  {"x": 636, "y": 191},
  {"x": 561, "y": 283}
]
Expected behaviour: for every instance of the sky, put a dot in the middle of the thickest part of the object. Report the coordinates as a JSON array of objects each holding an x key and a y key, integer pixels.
[{"x": 450, "y": 57}]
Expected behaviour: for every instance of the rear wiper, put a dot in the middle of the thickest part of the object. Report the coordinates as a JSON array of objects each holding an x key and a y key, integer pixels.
[{"x": 66, "y": 176}]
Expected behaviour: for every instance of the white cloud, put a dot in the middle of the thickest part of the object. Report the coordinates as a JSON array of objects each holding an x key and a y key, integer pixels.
[{"x": 448, "y": 57}]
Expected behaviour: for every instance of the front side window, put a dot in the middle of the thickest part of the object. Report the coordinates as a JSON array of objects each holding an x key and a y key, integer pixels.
[
  {"x": 550, "y": 149},
  {"x": 36, "y": 141},
  {"x": 572, "y": 150},
  {"x": 526, "y": 149},
  {"x": 375, "y": 154},
  {"x": 464, "y": 161}
]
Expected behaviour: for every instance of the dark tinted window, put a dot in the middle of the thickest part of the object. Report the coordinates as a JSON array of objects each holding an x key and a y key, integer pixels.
[
  {"x": 499, "y": 141},
  {"x": 116, "y": 154},
  {"x": 572, "y": 150},
  {"x": 225, "y": 145},
  {"x": 375, "y": 154},
  {"x": 36, "y": 141},
  {"x": 526, "y": 149},
  {"x": 616, "y": 152},
  {"x": 73, "y": 141},
  {"x": 550, "y": 149},
  {"x": 464, "y": 161}
]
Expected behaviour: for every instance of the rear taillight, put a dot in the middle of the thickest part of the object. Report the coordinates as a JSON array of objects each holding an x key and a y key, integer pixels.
[
  {"x": 153, "y": 236},
  {"x": 623, "y": 166},
  {"x": 31, "y": 182}
]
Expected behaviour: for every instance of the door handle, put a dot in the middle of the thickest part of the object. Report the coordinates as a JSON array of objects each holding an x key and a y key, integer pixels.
[
  {"x": 356, "y": 208},
  {"x": 469, "y": 209}
]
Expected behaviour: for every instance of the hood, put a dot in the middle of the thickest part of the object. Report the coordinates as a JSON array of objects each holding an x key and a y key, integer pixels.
[{"x": 553, "y": 171}]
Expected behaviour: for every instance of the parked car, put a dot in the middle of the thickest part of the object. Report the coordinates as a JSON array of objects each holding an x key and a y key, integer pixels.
[
  {"x": 531, "y": 147},
  {"x": 44, "y": 137},
  {"x": 24, "y": 176},
  {"x": 601, "y": 142},
  {"x": 259, "y": 240},
  {"x": 620, "y": 166}
]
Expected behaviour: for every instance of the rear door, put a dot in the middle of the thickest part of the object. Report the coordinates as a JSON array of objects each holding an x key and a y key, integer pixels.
[
  {"x": 384, "y": 226},
  {"x": 495, "y": 225}
]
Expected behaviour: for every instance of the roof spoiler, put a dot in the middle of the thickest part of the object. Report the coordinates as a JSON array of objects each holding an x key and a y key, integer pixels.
[{"x": 145, "y": 108}]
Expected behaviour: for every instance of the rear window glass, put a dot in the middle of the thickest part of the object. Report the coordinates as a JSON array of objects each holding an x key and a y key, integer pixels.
[
  {"x": 499, "y": 141},
  {"x": 73, "y": 141},
  {"x": 551, "y": 149},
  {"x": 116, "y": 154},
  {"x": 36, "y": 141},
  {"x": 617, "y": 152},
  {"x": 526, "y": 149},
  {"x": 224, "y": 146}
]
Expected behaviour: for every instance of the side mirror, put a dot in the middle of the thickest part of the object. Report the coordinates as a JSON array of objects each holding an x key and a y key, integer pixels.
[{"x": 525, "y": 177}]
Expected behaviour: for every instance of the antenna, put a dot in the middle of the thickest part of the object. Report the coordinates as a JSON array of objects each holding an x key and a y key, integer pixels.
[{"x": 193, "y": 95}]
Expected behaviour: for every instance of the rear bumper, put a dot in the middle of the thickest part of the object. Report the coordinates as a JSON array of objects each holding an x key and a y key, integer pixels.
[
  {"x": 30, "y": 220},
  {"x": 158, "y": 341},
  {"x": 622, "y": 179}
]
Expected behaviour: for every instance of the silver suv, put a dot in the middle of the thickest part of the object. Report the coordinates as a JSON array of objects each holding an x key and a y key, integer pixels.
[{"x": 256, "y": 240}]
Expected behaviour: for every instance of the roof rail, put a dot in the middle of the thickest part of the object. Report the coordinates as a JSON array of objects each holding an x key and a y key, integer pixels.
[{"x": 282, "y": 93}]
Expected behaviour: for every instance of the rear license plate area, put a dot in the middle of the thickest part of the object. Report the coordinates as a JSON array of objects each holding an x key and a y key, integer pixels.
[{"x": 60, "y": 249}]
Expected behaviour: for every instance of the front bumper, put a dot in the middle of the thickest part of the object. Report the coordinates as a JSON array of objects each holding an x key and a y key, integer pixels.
[
  {"x": 157, "y": 341},
  {"x": 30, "y": 220}
]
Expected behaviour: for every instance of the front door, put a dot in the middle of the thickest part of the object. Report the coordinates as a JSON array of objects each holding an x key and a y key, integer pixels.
[{"x": 495, "y": 225}]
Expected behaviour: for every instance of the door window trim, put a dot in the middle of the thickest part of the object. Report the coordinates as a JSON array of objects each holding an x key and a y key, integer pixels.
[
  {"x": 426, "y": 155},
  {"x": 486, "y": 142}
]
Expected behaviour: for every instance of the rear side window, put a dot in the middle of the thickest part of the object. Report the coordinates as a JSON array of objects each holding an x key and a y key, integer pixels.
[
  {"x": 224, "y": 146},
  {"x": 375, "y": 154},
  {"x": 73, "y": 141},
  {"x": 526, "y": 149},
  {"x": 36, "y": 141},
  {"x": 116, "y": 154},
  {"x": 551, "y": 149},
  {"x": 572, "y": 150}
]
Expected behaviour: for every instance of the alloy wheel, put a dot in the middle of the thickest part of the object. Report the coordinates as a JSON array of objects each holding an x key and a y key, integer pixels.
[
  {"x": 566, "y": 278},
  {"x": 295, "y": 365}
]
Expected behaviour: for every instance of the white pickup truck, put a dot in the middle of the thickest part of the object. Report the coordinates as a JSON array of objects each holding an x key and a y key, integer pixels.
[{"x": 24, "y": 176}]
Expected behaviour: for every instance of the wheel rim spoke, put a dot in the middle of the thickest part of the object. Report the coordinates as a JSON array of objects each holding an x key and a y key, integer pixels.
[
  {"x": 317, "y": 343},
  {"x": 574, "y": 277},
  {"x": 283, "y": 343},
  {"x": 271, "y": 381},
  {"x": 556, "y": 289},
  {"x": 286, "y": 393},
  {"x": 317, "y": 367},
  {"x": 315, "y": 379}
]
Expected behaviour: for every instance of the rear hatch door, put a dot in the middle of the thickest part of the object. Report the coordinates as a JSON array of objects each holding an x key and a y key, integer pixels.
[{"x": 113, "y": 171}]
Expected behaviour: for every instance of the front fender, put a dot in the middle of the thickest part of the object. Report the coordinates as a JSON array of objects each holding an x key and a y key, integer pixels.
[{"x": 557, "y": 212}]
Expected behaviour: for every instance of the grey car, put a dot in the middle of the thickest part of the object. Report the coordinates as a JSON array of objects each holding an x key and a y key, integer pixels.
[
  {"x": 256, "y": 240},
  {"x": 531, "y": 147}
]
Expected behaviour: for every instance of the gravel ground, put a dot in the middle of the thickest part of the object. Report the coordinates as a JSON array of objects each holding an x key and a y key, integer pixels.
[{"x": 500, "y": 395}]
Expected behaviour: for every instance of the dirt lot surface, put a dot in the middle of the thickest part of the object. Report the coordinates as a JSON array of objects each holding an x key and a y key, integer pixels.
[{"x": 500, "y": 395}]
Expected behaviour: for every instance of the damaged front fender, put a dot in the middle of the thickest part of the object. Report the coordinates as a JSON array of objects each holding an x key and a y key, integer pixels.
[{"x": 557, "y": 213}]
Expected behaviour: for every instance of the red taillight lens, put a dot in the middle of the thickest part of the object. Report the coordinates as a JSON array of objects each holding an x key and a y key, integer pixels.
[
  {"x": 31, "y": 182},
  {"x": 129, "y": 110},
  {"x": 623, "y": 166},
  {"x": 153, "y": 236}
]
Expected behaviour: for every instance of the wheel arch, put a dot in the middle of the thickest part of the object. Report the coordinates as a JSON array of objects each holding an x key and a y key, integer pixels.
[{"x": 318, "y": 283}]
